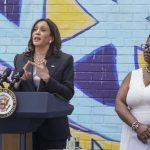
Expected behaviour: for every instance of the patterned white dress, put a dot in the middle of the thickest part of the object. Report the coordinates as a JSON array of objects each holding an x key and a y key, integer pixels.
[{"x": 138, "y": 100}]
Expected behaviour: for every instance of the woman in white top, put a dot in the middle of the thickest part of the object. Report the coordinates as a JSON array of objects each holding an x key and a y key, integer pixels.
[{"x": 133, "y": 106}]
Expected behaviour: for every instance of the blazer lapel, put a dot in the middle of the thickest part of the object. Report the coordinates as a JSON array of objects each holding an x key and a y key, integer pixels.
[{"x": 52, "y": 65}]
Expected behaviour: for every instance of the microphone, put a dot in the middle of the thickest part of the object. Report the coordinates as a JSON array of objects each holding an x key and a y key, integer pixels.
[
  {"x": 15, "y": 78},
  {"x": 3, "y": 77}
]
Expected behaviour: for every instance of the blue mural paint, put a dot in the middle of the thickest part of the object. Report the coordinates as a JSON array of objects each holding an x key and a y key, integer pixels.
[
  {"x": 11, "y": 10},
  {"x": 96, "y": 75},
  {"x": 115, "y": 1}
]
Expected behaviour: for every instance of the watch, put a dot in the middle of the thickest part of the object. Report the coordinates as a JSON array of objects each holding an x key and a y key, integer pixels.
[{"x": 135, "y": 125}]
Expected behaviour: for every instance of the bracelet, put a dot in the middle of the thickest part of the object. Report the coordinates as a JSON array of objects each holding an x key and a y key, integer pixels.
[{"x": 135, "y": 125}]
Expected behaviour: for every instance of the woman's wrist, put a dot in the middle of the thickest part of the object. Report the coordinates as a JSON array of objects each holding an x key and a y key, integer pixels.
[
  {"x": 135, "y": 125},
  {"x": 16, "y": 85}
]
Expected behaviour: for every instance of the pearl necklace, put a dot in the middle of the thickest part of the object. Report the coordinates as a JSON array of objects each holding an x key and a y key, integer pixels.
[
  {"x": 39, "y": 60},
  {"x": 147, "y": 69}
]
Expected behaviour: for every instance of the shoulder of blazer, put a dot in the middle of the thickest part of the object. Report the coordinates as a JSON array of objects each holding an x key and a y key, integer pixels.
[
  {"x": 61, "y": 57},
  {"x": 20, "y": 60},
  {"x": 65, "y": 56},
  {"x": 21, "y": 57}
]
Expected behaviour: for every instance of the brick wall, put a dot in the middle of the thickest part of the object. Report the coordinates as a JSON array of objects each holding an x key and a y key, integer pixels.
[{"x": 104, "y": 37}]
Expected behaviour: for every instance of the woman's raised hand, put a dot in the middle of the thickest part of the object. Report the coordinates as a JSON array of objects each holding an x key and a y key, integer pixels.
[{"x": 26, "y": 74}]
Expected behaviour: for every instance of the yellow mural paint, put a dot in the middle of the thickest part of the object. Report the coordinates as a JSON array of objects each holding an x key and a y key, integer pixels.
[
  {"x": 141, "y": 61},
  {"x": 69, "y": 17},
  {"x": 86, "y": 138}
]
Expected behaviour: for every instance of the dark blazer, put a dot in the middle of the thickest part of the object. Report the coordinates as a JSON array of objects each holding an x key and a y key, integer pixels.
[{"x": 61, "y": 82}]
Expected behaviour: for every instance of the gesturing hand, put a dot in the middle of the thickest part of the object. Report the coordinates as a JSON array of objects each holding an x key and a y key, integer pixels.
[
  {"x": 41, "y": 70},
  {"x": 26, "y": 74}
]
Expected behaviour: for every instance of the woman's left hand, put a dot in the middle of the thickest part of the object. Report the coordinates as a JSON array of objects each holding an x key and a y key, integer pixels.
[{"x": 143, "y": 133}]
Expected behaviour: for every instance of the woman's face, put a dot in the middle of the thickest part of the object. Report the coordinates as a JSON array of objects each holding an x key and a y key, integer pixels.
[
  {"x": 41, "y": 34},
  {"x": 147, "y": 51}
]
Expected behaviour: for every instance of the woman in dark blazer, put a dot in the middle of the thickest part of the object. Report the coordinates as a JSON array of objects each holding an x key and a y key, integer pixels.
[{"x": 47, "y": 69}]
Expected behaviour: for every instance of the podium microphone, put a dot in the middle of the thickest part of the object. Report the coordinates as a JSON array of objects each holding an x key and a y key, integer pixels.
[
  {"x": 3, "y": 77},
  {"x": 15, "y": 78}
]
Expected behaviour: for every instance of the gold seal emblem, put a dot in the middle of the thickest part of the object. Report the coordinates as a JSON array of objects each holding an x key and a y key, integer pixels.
[{"x": 8, "y": 103}]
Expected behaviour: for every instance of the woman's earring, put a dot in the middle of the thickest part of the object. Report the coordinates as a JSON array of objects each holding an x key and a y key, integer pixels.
[{"x": 50, "y": 42}]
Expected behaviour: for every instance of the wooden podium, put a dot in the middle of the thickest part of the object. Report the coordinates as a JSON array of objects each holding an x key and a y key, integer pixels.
[{"x": 33, "y": 108}]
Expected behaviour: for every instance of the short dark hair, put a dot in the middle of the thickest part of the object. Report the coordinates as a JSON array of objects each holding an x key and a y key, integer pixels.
[{"x": 55, "y": 46}]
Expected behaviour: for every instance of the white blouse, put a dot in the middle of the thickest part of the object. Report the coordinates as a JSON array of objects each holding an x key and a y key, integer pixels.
[{"x": 36, "y": 79}]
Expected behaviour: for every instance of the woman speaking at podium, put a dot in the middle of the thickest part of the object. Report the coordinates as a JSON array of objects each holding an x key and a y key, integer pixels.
[{"x": 47, "y": 69}]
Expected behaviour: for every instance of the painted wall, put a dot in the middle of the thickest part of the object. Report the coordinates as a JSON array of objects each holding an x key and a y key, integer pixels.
[{"x": 104, "y": 36}]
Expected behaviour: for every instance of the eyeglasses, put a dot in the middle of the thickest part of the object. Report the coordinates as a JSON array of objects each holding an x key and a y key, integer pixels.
[{"x": 145, "y": 46}]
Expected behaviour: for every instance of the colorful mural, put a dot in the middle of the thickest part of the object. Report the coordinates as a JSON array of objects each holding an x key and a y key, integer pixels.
[{"x": 103, "y": 36}]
